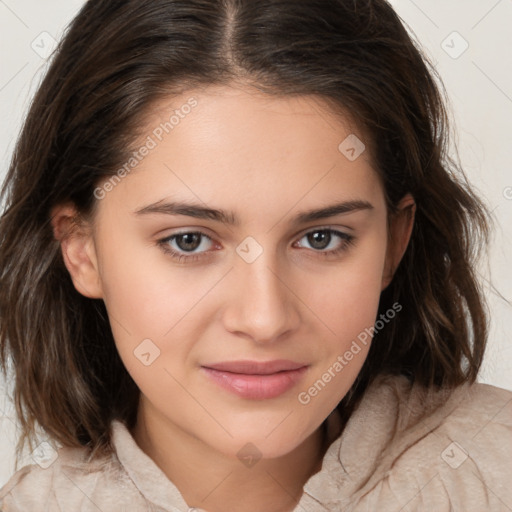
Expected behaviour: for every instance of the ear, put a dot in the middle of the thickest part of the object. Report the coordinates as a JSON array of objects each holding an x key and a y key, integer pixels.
[
  {"x": 78, "y": 250},
  {"x": 400, "y": 229}
]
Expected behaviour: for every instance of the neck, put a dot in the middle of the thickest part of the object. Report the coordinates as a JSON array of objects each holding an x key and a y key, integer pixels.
[{"x": 213, "y": 481}]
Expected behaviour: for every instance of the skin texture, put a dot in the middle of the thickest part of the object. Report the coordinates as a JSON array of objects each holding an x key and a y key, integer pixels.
[{"x": 266, "y": 159}]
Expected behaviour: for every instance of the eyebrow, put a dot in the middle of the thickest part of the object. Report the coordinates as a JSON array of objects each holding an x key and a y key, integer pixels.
[{"x": 227, "y": 217}]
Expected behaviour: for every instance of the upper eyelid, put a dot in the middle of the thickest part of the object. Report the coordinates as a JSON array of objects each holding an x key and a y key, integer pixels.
[
  {"x": 337, "y": 231},
  {"x": 325, "y": 228}
]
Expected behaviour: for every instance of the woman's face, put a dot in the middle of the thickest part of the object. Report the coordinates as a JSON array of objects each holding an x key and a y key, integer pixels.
[{"x": 263, "y": 281}]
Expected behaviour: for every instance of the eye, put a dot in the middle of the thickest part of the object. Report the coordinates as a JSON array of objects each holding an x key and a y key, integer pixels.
[
  {"x": 184, "y": 247},
  {"x": 321, "y": 239},
  {"x": 187, "y": 242}
]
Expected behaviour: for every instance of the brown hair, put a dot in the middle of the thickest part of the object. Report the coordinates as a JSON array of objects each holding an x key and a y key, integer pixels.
[{"x": 120, "y": 56}]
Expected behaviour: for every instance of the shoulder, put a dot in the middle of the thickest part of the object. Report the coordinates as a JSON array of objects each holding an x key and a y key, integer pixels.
[
  {"x": 456, "y": 453},
  {"x": 406, "y": 447},
  {"x": 481, "y": 414},
  {"x": 65, "y": 480},
  {"x": 476, "y": 420}
]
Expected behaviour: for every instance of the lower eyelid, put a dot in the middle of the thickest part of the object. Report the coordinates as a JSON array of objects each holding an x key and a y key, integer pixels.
[
  {"x": 345, "y": 238},
  {"x": 174, "y": 236}
]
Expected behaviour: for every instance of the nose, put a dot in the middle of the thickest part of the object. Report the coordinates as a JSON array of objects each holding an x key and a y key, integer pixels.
[{"x": 263, "y": 306}]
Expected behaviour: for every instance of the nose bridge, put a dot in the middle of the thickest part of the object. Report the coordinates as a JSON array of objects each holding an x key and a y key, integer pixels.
[{"x": 262, "y": 307}]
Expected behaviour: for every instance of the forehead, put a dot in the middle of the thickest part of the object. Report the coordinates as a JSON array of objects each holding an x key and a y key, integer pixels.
[
  {"x": 250, "y": 148},
  {"x": 221, "y": 112}
]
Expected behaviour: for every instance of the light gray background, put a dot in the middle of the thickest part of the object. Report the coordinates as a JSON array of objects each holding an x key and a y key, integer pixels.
[{"x": 479, "y": 84}]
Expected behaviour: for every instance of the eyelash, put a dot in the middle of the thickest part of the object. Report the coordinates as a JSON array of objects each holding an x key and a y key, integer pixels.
[{"x": 347, "y": 241}]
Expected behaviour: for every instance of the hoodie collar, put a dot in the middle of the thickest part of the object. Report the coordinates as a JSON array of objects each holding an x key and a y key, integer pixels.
[{"x": 390, "y": 417}]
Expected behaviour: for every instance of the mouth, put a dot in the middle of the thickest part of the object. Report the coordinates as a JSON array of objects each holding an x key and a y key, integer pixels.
[{"x": 256, "y": 380}]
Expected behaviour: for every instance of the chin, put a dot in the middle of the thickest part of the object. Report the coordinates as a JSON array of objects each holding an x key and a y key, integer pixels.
[{"x": 268, "y": 443}]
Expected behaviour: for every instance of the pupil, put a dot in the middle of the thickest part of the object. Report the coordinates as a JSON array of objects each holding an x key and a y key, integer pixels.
[
  {"x": 319, "y": 236},
  {"x": 190, "y": 240}
]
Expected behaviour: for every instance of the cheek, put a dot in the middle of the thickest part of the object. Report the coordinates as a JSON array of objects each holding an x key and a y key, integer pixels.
[
  {"x": 347, "y": 295},
  {"x": 143, "y": 291},
  {"x": 347, "y": 303},
  {"x": 148, "y": 298},
  {"x": 146, "y": 295}
]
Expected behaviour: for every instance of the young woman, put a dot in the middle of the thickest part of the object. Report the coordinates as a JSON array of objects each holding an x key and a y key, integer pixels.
[{"x": 238, "y": 270}]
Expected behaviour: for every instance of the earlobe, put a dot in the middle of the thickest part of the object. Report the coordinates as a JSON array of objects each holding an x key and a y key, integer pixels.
[
  {"x": 78, "y": 250},
  {"x": 401, "y": 227}
]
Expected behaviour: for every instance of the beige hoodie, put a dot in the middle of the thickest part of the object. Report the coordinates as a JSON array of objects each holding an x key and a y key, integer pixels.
[{"x": 404, "y": 449}]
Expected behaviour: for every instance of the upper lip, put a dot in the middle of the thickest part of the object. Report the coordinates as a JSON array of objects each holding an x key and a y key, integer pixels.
[{"x": 256, "y": 367}]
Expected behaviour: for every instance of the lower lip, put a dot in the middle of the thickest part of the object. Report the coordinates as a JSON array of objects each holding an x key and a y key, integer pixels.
[{"x": 256, "y": 387}]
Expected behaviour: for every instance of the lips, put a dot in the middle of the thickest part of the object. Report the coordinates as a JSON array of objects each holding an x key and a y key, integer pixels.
[
  {"x": 255, "y": 367},
  {"x": 256, "y": 380}
]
